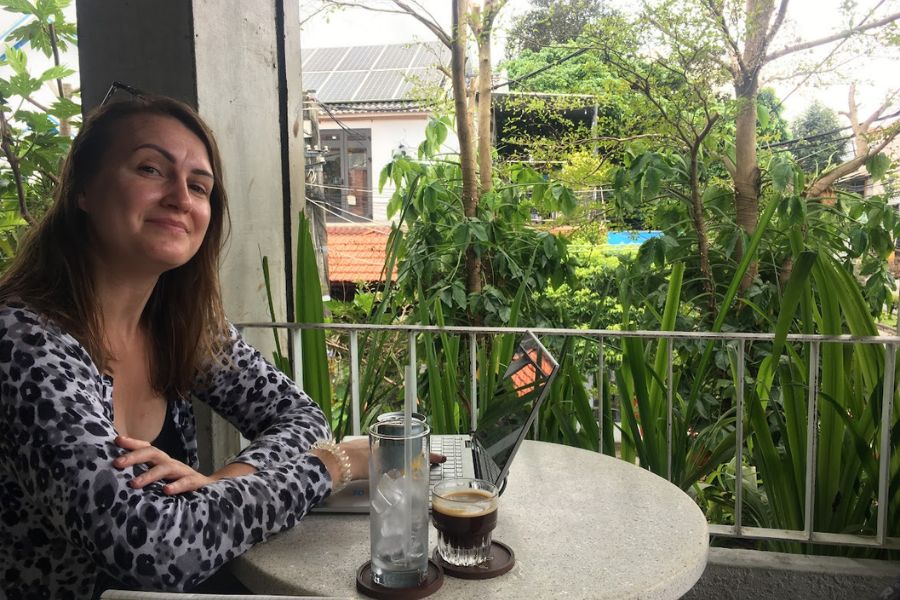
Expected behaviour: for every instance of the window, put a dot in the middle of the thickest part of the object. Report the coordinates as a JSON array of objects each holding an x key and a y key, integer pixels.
[{"x": 348, "y": 174}]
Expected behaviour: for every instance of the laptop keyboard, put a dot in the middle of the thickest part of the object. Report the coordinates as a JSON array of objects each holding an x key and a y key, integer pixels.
[{"x": 452, "y": 448}]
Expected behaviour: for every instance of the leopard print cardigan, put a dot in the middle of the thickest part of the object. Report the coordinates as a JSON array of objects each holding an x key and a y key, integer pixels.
[{"x": 66, "y": 512}]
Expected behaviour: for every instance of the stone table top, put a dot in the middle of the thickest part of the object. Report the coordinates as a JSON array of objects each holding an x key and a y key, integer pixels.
[{"x": 582, "y": 525}]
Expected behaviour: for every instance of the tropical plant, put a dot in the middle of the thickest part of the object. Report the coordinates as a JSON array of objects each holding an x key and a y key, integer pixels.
[
  {"x": 34, "y": 133},
  {"x": 308, "y": 309}
]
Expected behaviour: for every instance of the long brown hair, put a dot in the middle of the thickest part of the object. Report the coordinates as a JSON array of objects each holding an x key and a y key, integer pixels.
[{"x": 52, "y": 272}]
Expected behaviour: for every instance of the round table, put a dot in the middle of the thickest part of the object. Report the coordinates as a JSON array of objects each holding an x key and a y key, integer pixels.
[{"x": 582, "y": 525}]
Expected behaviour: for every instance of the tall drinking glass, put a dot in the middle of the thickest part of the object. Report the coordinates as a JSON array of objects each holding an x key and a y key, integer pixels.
[{"x": 398, "y": 487}]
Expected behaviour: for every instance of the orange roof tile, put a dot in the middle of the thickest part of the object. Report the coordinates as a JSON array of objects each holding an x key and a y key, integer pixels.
[{"x": 357, "y": 252}]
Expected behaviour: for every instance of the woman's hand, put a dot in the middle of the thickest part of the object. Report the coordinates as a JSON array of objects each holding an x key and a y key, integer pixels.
[
  {"x": 181, "y": 477},
  {"x": 358, "y": 453}
]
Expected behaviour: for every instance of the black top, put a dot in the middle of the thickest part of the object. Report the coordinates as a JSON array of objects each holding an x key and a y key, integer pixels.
[{"x": 169, "y": 441}]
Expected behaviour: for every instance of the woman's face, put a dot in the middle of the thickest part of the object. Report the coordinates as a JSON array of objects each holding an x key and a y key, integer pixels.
[{"x": 149, "y": 204}]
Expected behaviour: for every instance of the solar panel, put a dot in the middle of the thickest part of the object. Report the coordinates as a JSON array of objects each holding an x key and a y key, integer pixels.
[
  {"x": 430, "y": 55},
  {"x": 341, "y": 87},
  {"x": 314, "y": 81},
  {"x": 324, "y": 59},
  {"x": 380, "y": 85},
  {"x": 418, "y": 78},
  {"x": 397, "y": 56},
  {"x": 372, "y": 73},
  {"x": 360, "y": 58}
]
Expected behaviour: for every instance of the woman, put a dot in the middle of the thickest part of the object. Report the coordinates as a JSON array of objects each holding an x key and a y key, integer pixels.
[{"x": 111, "y": 320}]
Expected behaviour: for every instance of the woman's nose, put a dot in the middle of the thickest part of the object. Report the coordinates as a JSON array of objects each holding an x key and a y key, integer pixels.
[{"x": 179, "y": 195}]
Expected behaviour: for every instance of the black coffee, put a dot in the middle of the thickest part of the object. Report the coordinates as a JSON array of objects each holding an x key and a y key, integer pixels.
[{"x": 465, "y": 518}]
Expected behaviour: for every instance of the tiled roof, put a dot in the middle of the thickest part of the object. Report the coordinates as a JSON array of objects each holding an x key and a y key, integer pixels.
[
  {"x": 357, "y": 252},
  {"x": 391, "y": 106}
]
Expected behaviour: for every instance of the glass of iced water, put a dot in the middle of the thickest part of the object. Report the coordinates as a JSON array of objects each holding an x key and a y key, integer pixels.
[{"x": 398, "y": 488}]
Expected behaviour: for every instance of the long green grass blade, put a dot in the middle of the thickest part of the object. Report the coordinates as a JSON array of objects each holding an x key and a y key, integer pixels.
[{"x": 310, "y": 309}]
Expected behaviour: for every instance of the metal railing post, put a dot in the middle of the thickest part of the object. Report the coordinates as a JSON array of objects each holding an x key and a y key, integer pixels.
[
  {"x": 811, "y": 440},
  {"x": 884, "y": 455},
  {"x": 669, "y": 343},
  {"x": 473, "y": 391},
  {"x": 413, "y": 393},
  {"x": 602, "y": 371},
  {"x": 354, "y": 380},
  {"x": 298, "y": 357},
  {"x": 739, "y": 441}
]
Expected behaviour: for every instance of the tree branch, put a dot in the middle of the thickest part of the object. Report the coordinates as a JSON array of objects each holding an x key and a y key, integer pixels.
[
  {"x": 719, "y": 18},
  {"x": 37, "y": 104},
  {"x": 831, "y": 38},
  {"x": 779, "y": 19},
  {"x": 818, "y": 187},
  {"x": 10, "y": 153},
  {"x": 728, "y": 164},
  {"x": 436, "y": 29}
]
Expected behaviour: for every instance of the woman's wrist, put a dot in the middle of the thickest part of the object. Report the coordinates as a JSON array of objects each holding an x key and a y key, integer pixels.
[
  {"x": 336, "y": 461},
  {"x": 235, "y": 469}
]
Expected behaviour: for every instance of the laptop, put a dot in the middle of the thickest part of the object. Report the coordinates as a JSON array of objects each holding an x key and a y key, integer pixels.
[{"x": 488, "y": 452}]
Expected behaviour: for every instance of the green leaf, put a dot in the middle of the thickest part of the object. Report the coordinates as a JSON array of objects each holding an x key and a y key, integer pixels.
[
  {"x": 461, "y": 234},
  {"x": 17, "y": 60},
  {"x": 651, "y": 181},
  {"x": 65, "y": 109},
  {"x": 56, "y": 72},
  {"x": 479, "y": 230},
  {"x": 310, "y": 309},
  {"x": 762, "y": 115},
  {"x": 550, "y": 250},
  {"x": 782, "y": 173},
  {"x": 567, "y": 201},
  {"x": 459, "y": 294},
  {"x": 878, "y": 165},
  {"x": 384, "y": 176},
  {"x": 19, "y": 6},
  {"x": 394, "y": 204},
  {"x": 859, "y": 241}
]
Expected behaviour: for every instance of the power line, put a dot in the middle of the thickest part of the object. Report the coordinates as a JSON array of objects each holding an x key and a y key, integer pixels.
[
  {"x": 360, "y": 219},
  {"x": 542, "y": 69},
  {"x": 338, "y": 121},
  {"x": 827, "y": 133}
]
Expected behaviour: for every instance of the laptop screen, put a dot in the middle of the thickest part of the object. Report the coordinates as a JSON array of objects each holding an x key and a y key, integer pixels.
[{"x": 512, "y": 408}]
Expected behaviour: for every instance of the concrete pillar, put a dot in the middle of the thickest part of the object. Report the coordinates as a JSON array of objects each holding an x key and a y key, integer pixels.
[{"x": 238, "y": 63}]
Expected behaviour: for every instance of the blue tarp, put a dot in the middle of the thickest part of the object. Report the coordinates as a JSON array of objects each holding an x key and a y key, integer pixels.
[{"x": 617, "y": 238}]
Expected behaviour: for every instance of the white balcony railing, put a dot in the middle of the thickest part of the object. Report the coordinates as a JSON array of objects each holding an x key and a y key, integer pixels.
[{"x": 738, "y": 340}]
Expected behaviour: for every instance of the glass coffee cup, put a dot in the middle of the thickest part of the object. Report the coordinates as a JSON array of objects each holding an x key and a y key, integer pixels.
[{"x": 464, "y": 512}]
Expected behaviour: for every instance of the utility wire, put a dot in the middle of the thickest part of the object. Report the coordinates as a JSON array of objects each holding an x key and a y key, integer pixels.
[
  {"x": 364, "y": 220},
  {"x": 540, "y": 70},
  {"x": 826, "y": 133},
  {"x": 340, "y": 123}
]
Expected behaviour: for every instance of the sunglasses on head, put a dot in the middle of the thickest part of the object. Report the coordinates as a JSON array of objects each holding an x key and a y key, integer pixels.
[{"x": 118, "y": 85}]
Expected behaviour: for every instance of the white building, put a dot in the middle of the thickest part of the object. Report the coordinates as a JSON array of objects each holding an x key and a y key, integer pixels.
[{"x": 370, "y": 109}]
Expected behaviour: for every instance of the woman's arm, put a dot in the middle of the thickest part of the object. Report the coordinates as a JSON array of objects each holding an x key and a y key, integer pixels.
[
  {"x": 280, "y": 421},
  {"x": 57, "y": 442}
]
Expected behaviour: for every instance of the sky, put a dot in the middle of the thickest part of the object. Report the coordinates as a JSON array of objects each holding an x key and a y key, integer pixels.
[{"x": 806, "y": 20}]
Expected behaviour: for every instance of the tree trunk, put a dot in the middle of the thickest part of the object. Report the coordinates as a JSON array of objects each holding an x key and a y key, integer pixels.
[
  {"x": 746, "y": 87},
  {"x": 485, "y": 80},
  {"x": 709, "y": 283},
  {"x": 746, "y": 173},
  {"x": 464, "y": 133}
]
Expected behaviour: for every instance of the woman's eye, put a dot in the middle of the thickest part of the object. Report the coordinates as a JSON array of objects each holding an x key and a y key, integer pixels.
[
  {"x": 149, "y": 169},
  {"x": 198, "y": 189}
]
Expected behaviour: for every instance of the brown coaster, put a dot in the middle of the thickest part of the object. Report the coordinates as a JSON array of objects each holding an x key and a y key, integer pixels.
[
  {"x": 433, "y": 581},
  {"x": 502, "y": 560}
]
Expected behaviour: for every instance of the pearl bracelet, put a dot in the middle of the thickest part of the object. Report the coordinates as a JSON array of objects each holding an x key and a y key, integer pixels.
[{"x": 343, "y": 460}]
